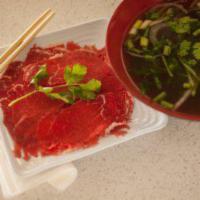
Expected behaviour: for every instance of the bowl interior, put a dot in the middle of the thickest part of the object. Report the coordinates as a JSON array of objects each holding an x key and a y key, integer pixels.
[{"x": 119, "y": 25}]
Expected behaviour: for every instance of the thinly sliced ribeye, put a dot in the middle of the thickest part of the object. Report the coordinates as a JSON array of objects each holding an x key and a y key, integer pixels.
[
  {"x": 25, "y": 116},
  {"x": 83, "y": 123},
  {"x": 39, "y": 124},
  {"x": 39, "y": 54}
]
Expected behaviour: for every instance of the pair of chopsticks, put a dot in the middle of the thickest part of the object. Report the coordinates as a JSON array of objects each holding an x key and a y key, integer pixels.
[{"x": 17, "y": 46}]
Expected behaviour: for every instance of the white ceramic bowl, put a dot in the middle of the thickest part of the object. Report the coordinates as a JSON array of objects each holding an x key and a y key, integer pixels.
[{"x": 144, "y": 119}]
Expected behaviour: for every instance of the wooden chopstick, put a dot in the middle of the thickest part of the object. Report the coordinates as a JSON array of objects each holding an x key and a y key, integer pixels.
[
  {"x": 24, "y": 39},
  {"x": 16, "y": 43}
]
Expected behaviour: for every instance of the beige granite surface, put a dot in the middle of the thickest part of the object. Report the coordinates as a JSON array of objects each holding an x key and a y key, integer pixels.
[{"x": 159, "y": 166}]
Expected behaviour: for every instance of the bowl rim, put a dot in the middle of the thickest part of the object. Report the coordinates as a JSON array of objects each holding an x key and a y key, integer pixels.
[{"x": 129, "y": 83}]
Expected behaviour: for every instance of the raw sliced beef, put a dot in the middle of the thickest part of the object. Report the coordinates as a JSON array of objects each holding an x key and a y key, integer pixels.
[
  {"x": 39, "y": 54},
  {"x": 40, "y": 125},
  {"x": 71, "y": 129},
  {"x": 24, "y": 117},
  {"x": 96, "y": 68}
]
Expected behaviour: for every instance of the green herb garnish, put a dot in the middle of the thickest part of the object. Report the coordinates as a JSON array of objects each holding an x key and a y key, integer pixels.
[
  {"x": 144, "y": 41},
  {"x": 41, "y": 74},
  {"x": 182, "y": 25},
  {"x": 167, "y": 50},
  {"x": 196, "y": 50},
  {"x": 184, "y": 48},
  {"x": 73, "y": 89}
]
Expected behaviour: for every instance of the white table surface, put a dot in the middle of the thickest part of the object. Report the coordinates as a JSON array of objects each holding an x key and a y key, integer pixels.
[{"x": 159, "y": 166}]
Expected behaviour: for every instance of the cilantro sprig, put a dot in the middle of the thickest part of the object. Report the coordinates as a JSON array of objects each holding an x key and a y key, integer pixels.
[
  {"x": 72, "y": 90},
  {"x": 184, "y": 48},
  {"x": 182, "y": 25},
  {"x": 41, "y": 74}
]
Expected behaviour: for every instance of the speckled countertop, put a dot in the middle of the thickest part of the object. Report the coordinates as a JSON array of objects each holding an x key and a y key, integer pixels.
[{"x": 160, "y": 166}]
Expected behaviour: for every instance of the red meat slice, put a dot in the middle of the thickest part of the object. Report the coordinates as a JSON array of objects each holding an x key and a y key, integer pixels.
[
  {"x": 71, "y": 46},
  {"x": 96, "y": 69},
  {"x": 52, "y": 56},
  {"x": 38, "y": 124},
  {"x": 25, "y": 116},
  {"x": 83, "y": 123},
  {"x": 9, "y": 77},
  {"x": 94, "y": 60},
  {"x": 38, "y": 54}
]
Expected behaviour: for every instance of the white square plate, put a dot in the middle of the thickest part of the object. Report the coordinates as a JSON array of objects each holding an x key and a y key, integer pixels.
[{"x": 144, "y": 119}]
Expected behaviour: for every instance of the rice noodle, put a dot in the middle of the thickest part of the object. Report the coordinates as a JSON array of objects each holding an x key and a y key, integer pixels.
[
  {"x": 183, "y": 99},
  {"x": 180, "y": 7},
  {"x": 154, "y": 31}
]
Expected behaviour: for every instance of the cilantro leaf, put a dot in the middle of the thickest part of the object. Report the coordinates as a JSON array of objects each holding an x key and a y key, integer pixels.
[
  {"x": 184, "y": 48},
  {"x": 196, "y": 50},
  {"x": 67, "y": 73},
  {"x": 75, "y": 74},
  {"x": 87, "y": 95},
  {"x": 173, "y": 64},
  {"x": 72, "y": 89},
  {"x": 92, "y": 85},
  {"x": 41, "y": 74},
  {"x": 75, "y": 92},
  {"x": 182, "y": 25},
  {"x": 89, "y": 89}
]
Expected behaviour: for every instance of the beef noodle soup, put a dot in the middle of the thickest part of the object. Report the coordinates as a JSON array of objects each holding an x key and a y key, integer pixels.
[{"x": 162, "y": 55}]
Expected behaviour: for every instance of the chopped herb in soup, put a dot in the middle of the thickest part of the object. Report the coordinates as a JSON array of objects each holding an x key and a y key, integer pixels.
[{"x": 162, "y": 55}]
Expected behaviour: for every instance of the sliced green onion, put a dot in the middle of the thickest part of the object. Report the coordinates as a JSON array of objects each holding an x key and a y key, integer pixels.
[
  {"x": 138, "y": 24},
  {"x": 167, "y": 50},
  {"x": 196, "y": 33},
  {"x": 135, "y": 27},
  {"x": 160, "y": 97},
  {"x": 167, "y": 105},
  {"x": 129, "y": 44},
  {"x": 187, "y": 85},
  {"x": 144, "y": 41},
  {"x": 149, "y": 57}
]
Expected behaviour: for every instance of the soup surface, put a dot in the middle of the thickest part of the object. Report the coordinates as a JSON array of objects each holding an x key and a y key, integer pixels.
[{"x": 162, "y": 55}]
